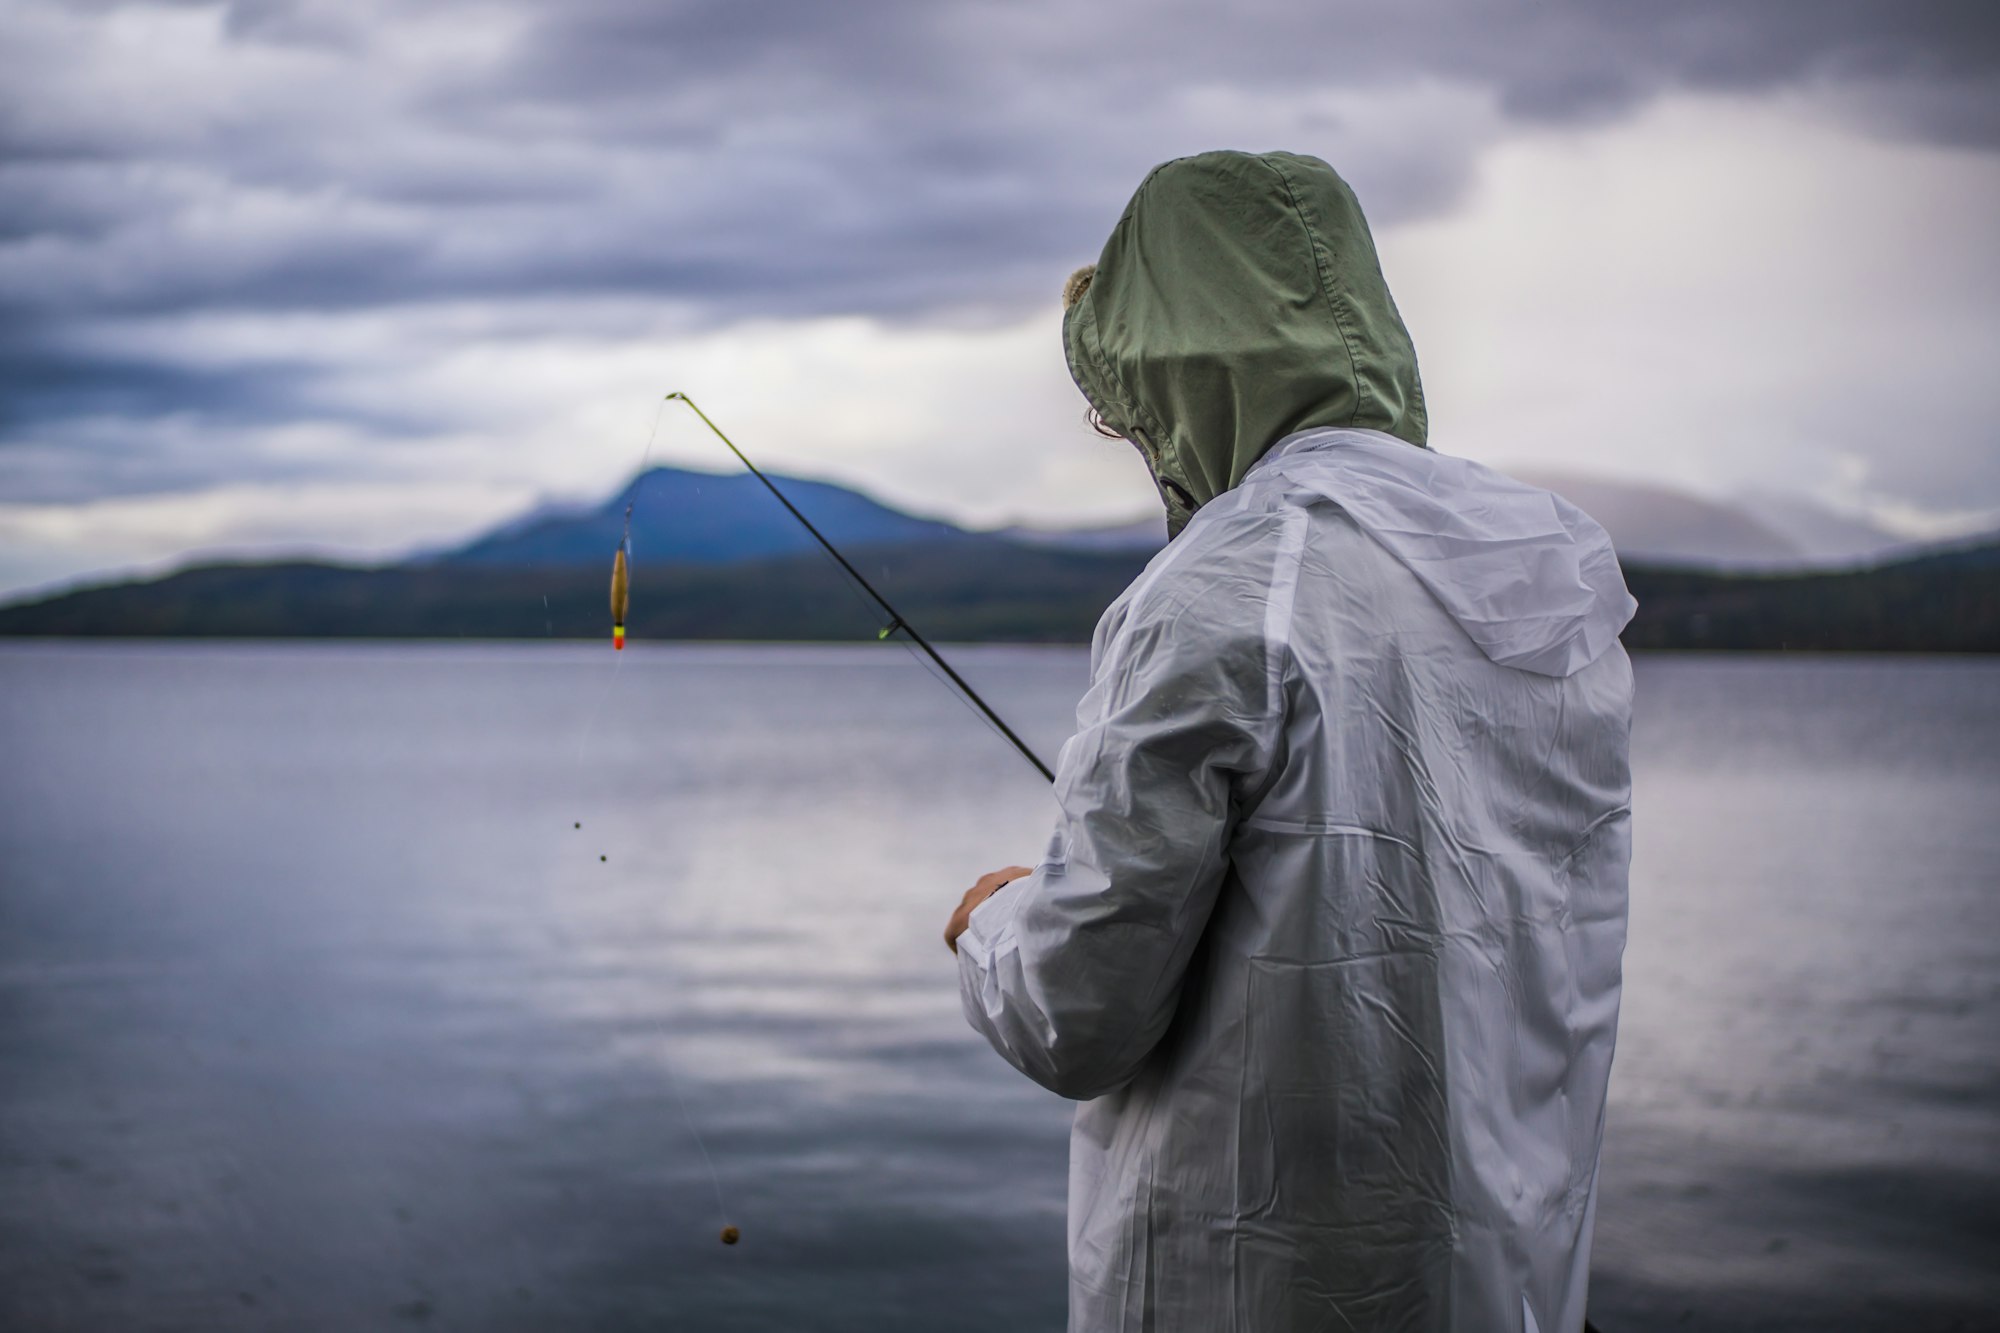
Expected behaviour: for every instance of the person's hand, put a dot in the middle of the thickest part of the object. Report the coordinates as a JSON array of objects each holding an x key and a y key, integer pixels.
[{"x": 987, "y": 886}]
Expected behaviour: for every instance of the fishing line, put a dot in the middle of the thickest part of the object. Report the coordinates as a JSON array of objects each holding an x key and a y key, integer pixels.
[
  {"x": 870, "y": 600},
  {"x": 730, "y": 1233},
  {"x": 647, "y": 457},
  {"x": 889, "y": 634},
  {"x": 620, "y": 588},
  {"x": 853, "y": 588},
  {"x": 899, "y": 628},
  {"x": 934, "y": 674},
  {"x": 896, "y": 620},
  {"x": 624, "y": 557}
]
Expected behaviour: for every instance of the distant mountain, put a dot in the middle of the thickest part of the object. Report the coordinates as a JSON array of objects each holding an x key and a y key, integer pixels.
[
  {"x": 1660, "y": 525},
  {"x": 1762, "y": 530},
  {"x": 951, "y": 590},
  {"x": 1826, "y": 537},
  {"x": 700, "y": 518},
  {"x": 1146, "y": 534},
  {"x": 717, "y": 559},
  {"x": 1947, "y": 601},
  {"x": 960, "y": 590},
  {"x": 1649, "y": 524}
]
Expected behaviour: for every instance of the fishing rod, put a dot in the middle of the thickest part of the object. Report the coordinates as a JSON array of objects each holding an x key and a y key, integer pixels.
[{"x": 896, "y": 620}]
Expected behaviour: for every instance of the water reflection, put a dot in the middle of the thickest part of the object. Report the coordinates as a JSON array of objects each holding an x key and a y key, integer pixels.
[{"x": 318, "y": 1009}]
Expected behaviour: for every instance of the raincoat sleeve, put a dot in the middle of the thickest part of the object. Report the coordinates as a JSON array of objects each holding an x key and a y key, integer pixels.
[{"x": 1073, "y": 973}]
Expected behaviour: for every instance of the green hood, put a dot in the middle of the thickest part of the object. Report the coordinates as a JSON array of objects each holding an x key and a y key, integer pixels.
[{"x": 1238, "y": 301}]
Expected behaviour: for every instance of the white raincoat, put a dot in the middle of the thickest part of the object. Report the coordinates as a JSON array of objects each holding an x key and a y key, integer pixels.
[{"x": 1328, "y": 938}]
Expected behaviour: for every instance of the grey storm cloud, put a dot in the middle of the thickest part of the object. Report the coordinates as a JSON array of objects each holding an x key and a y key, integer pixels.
[{"x": 729, "y": 159}]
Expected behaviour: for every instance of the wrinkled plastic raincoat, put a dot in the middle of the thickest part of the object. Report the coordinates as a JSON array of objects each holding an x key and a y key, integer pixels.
[{"x": 1328, "y": 937}]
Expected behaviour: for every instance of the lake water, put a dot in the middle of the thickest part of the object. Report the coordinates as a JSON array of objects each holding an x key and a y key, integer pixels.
[{"x": 317, "y": 1012}]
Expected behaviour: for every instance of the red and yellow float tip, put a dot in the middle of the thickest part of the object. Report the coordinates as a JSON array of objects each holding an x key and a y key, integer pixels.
[{"x": 621, "y": 596}]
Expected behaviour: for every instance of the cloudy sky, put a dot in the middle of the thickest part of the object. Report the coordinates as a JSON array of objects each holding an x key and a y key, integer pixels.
[{"x": 358, "y": 275}]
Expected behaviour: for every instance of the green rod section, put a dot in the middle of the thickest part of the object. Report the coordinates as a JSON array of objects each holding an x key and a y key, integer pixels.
[{"x": 896, "y": 620}]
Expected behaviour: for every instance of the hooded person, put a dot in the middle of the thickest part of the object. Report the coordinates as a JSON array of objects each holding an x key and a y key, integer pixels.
[{"x": 1327, "y": 941}]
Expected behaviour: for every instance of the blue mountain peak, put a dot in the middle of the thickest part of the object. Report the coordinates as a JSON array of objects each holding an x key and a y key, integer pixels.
[{"x": 685, "y": 517}]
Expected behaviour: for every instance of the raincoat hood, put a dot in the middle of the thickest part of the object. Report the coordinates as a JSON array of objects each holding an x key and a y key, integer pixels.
[{"x": 1238, "y": 301}]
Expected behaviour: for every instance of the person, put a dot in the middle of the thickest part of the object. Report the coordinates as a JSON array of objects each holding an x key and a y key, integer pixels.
[{"x": 1327, "y": 941}]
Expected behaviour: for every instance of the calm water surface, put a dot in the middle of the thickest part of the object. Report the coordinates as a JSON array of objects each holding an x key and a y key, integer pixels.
[{"x": 318, "y": 1012}]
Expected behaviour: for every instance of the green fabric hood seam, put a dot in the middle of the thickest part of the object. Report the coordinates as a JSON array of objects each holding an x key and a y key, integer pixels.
[{"x": 1323, "y": 262}]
